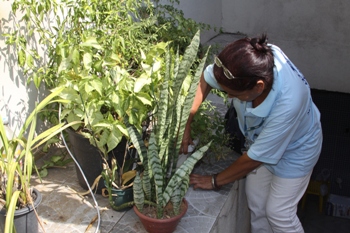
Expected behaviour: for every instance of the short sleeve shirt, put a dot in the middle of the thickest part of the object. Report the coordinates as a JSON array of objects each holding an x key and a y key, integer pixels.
[{"x": 284, "y": 131}]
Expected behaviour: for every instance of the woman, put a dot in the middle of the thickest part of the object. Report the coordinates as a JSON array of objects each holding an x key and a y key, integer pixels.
[{"x": 281, "y": 125}]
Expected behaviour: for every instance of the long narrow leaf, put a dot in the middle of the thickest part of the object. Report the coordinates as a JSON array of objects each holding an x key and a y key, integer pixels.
[
  {"x": 183, "y": 171},
  {"x": 189, "y": 101},
  {"x": 11, "y": 170},
  {"x": 139, "y": 197},
  {"x": 3, "y": 136},
  {"x": 137, "y": 141},
  {"x": 156, "y": 167},
  {"x": 39, "y": 107},
  {"x": 186, "y": 63},
  {"x": 9, "y": 224},
  {"x": 163, "y": 100},
  {"x": 53, "y": 131},
  {"x": 139, "y": 145}
]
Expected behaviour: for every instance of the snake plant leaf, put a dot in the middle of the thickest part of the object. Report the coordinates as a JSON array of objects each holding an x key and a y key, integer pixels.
[
  {"x": 139, "y": 197},
  {"x": 146, "y": 184},
  {"x": 183, "y": 171},
  {"x": 139, "y": 145},
  {"x": 136, "y": 140},
  {"x": 176, "y": 199},
  {"x": 186, "y": 63},
  {"x": 188, "y": 102},
  {"x": 184, "y": 185},
  {"x": 156, "y": 167},
  {"x": 163, "y": 104}
]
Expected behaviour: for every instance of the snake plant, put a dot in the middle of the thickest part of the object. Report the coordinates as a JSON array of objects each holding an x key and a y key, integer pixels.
[{"x": 160, "y": 181}]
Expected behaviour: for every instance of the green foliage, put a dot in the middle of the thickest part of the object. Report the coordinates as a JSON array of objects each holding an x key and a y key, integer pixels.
[
  {"x": 209, "y": 125},
  {"x": 96, "y": 50},
  {"x": 176, "y": 27},
  {"x": 161, "y": 182},
  {"x": 16, "y": 166},
  {"x": 55, "y": 161}
]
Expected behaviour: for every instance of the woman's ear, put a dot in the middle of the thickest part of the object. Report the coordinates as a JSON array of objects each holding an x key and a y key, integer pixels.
[{"x": 260, "y": 86}]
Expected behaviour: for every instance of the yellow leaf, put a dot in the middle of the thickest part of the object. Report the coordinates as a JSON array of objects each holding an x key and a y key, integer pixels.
[{"x": 127, "y": 176}]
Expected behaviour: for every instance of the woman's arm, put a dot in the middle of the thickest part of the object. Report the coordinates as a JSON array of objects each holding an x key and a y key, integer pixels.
[
  {"x": 201, "y": 93},
  {"x": 238, "y": 169}
]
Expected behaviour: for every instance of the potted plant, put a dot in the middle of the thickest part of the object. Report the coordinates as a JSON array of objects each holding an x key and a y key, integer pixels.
[
  {"x": 161, "y": 185},
  {"x": 18, "y": 199},
  {"x": 118, "y": 179}
]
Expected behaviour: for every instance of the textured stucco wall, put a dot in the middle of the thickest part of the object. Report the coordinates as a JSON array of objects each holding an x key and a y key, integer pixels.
[
  {"x": 203, "y": 11},
  {"x": 17, "y": 98},
  {"x": 314, "y": 34}
]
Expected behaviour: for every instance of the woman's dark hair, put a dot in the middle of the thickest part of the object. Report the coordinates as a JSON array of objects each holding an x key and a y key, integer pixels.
[{"x": 248, "y": 59}]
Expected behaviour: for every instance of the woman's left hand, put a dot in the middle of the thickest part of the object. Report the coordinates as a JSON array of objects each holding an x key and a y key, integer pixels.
[{"x": 199, "y": 181}]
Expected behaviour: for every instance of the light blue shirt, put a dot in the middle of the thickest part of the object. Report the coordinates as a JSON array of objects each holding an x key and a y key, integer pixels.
[{"x": 289, "y": 138}]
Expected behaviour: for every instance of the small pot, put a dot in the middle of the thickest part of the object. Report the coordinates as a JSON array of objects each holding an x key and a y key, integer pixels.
[
  {"x": 25, "y": 220},
  {"x": 120, "y": 197},
  {"x": 153, "y": 225}
]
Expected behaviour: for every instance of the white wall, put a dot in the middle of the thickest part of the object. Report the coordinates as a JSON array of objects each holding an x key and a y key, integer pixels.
[
  {"x": 203, "y": 11},
  {"x": 17, "y": 99},
  {"x": 313, "y": 34}
]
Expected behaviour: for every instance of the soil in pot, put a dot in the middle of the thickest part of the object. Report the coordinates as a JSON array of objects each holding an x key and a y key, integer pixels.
[
  {"x": 167, "y": 224},
  {"x": 25, "y": 219}
]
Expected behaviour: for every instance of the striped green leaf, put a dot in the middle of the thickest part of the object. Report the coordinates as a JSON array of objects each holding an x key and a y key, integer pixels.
[
  {"x": 139, "y": 197},
  {"x": 183, "y": 171}
]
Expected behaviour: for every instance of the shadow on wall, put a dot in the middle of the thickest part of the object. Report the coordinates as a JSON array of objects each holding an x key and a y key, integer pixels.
[{"x": 17, "y": 98}]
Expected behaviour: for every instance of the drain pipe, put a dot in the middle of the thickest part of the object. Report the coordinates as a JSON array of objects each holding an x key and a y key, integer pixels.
[{"x": 82, "y": 172}]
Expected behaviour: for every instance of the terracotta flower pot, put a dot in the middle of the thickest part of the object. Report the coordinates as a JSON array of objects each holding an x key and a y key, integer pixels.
[{"x": 153, "y": 225}]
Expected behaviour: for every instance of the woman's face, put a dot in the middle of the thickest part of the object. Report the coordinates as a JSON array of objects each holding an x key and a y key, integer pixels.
[{"x": 247, "y": 95}]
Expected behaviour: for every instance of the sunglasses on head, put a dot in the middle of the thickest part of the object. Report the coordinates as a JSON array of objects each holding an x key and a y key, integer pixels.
[{"x": 227, "y": 73}]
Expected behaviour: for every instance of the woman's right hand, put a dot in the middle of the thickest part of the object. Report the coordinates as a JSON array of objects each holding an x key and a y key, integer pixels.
[{"x": 186, "y": 140}]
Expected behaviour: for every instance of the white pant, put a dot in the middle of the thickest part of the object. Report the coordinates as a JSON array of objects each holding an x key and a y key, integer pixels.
[{"x": 273, "y": 201}]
